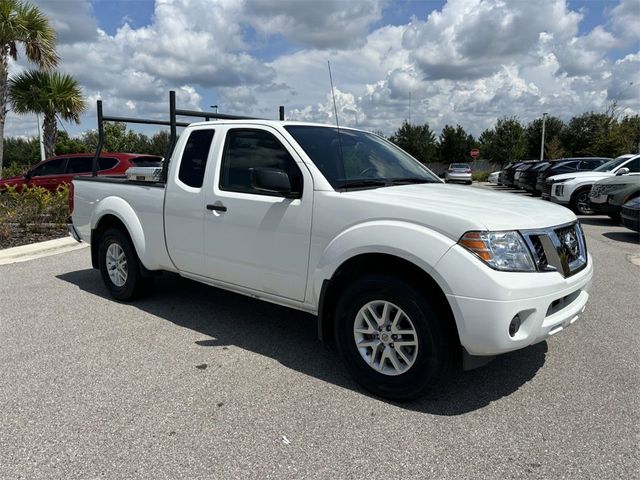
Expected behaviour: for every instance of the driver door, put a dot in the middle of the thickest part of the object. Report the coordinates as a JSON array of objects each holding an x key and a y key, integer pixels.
[{"x": 256, "y": 239}]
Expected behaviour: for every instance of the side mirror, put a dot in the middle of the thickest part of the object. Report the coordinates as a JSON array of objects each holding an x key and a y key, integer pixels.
[
  {"x": 28, "y": 175},
  {"x": 622, "y": 171},
  {"x": 272, "y": 180}
]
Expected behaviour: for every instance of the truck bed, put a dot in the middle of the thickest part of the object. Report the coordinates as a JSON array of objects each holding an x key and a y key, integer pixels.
[{"x": 138, "y": 205}]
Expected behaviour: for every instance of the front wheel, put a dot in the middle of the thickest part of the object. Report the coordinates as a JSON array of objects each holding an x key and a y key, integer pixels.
[
  {"x": 120, "y": 267},
  {"x": 580, "y": 202},
  {"x": 391, "y": 339}
]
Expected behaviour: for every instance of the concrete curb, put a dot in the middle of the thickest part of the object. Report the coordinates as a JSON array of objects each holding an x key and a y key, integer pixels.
[{"x": 25, "y": 253}]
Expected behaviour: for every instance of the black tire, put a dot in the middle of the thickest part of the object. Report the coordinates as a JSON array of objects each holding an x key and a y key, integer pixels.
[
  {"x": 580, "y": 202},
  {"x": 433, "y": 358},
  {"x": 468, "y": 183},
  {"x": 135, "y": 284}
]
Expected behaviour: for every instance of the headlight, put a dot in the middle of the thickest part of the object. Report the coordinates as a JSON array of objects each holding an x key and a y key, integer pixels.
[
  {"x": 559, "y": 190},
  {"x": 500, "y": 250},
  {"x": 563, "y": 180}
]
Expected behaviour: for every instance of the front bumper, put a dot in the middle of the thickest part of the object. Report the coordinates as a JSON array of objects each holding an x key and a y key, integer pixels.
[{"x": 486, "y": 301}]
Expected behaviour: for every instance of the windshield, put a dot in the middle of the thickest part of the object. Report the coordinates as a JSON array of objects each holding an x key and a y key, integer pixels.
[
  {"x": 356, "y": 159},
  {"x": 611, "y": 164},
  {"x": 460, "y": 165}
]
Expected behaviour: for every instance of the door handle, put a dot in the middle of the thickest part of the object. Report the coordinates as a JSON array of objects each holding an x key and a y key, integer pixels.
[{"x": 217, "y": 208}]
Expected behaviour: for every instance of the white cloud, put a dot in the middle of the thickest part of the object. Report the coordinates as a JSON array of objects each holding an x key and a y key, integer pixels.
[
  {"x": 470, "y": 62},
  {"x": 625, "y": 18},
  {"x": 473, "y": 38},
  {"x": 325, "y": 24}
]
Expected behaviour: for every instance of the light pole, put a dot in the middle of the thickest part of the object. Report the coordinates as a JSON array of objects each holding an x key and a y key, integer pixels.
[
  {"x": 40, "y": 137},
  {"x": 544, "y": 121},
  {"x": 214, "y": 106}
]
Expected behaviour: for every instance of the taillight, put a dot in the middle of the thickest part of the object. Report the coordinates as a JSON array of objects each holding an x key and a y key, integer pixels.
[{"x": 70, "y": 198}]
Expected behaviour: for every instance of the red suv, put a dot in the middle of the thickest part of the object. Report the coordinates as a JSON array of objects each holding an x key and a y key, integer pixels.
[{"x": 55, "y": 171}]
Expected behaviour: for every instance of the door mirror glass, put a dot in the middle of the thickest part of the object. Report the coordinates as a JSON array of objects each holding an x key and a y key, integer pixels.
[
  {"x": 622, "y": 171},
  {"x": 271, "y": 180}
]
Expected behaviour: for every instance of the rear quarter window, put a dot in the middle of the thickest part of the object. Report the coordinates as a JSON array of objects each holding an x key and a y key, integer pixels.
[{"x": 194, "y": 158}]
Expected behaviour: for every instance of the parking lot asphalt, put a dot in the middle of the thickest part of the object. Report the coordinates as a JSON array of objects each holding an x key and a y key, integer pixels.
[{"x": 195, "y": 382}]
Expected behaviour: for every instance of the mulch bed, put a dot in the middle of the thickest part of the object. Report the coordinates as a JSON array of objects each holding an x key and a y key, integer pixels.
[{"x": 12, "y": 235}]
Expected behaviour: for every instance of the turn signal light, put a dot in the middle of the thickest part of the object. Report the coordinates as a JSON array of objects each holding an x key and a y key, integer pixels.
[{"x": 474, "y": 242}]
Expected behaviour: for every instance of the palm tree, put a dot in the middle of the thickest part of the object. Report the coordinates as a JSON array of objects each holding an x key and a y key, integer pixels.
[
  {"x": 50, "y": 93},
  {"x": 22, "y": 24}
]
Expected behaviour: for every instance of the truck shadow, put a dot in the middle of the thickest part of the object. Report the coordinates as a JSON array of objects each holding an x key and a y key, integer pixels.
[{"x": 290, "y": 337}]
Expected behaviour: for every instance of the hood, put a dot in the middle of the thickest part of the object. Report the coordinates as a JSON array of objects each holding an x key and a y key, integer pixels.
[
  {"x": 620, "y": 180},
  {"x": 454, "y": 209},
  {"x": 581, "y": 175}
]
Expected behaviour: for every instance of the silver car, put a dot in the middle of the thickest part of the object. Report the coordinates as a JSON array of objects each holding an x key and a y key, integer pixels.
[{"x": 458, "y": 172}]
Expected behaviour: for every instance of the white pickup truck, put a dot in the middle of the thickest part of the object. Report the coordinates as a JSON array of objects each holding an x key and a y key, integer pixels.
[{"x": 405, "y": 273}]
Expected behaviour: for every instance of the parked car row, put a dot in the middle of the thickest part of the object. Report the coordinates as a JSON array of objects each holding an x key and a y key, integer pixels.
[
  {"x": 60, "y": 170},
  {"x": 586, "y": 185}
]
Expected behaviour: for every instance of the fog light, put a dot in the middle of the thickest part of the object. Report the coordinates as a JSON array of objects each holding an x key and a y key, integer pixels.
[{"x": 514, "y": 326}]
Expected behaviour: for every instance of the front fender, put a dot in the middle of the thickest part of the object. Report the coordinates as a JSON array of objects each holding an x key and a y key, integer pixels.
[
  {"x": 417, "y": 244},
  {"x": 120, "y": 209}
]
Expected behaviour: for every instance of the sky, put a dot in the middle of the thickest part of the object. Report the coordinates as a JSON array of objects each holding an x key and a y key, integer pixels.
[{"x": 466, "y": 62}]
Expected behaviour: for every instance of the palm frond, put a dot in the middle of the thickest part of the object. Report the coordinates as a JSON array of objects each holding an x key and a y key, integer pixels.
[
  {"x": 38, "y": 91},
  {"x": 21, "y": 22}
]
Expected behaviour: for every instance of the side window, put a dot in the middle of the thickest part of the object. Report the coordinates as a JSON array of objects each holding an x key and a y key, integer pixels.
[
  {"x": 52, "y": 167},
  {"x": 194, "y": 158},
  {"x": 633, "y": 166},
  {"x": 568, "y": 166},
  {"x": 245, "y": 149},
  {"x": 106, "y": 163},
  {"x": 590, "y": 164},
  {"x": 79, "y": 165}
]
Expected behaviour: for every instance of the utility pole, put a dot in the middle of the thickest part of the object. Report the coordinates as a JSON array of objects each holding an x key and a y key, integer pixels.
[{"x": 544, "y": 120}]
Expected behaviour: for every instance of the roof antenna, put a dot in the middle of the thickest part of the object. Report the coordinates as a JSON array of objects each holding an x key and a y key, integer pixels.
[{"x": 335, "y": 109}]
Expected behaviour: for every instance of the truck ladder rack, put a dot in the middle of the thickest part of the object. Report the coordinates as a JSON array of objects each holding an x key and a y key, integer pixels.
[{"x": 172, "y": 123}]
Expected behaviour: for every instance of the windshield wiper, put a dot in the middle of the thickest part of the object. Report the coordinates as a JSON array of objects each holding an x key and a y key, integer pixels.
[
  {"x": 408, "y": 180},
  {"x": 364, "y": 183}
]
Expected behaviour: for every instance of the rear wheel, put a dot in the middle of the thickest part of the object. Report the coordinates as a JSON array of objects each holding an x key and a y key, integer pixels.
[
  {"x": 390, "y": 338},
  {"x": 120, "y": 267},
  {"x": 580, "y": 202}
]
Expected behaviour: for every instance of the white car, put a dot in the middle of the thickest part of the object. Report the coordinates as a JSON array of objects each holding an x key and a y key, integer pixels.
[
  {"x": 458, "y": 172},
  {"x": 493, "y": 177},
  {"x": 572, "y": 189},
  {"x": 402, "y": 271}
]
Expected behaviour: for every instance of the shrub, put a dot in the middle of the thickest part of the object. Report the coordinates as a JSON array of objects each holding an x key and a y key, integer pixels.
[
  {"x": 34, "y": 206},
  {"x": 480, "y": 176},
  {"x": 14, "y": 170}
]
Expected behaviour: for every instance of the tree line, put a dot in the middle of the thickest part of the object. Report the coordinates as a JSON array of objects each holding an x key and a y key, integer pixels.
[
  {"x": 588, "y": 135},
  {"x": 591, "y": 134},
  {"x": 22, "y": 153}
]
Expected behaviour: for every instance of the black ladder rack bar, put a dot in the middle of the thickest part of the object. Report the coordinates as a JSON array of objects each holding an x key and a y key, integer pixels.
[{"x": 172, "y": 123}]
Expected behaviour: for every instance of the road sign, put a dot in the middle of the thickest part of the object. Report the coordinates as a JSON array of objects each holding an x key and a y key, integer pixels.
[{"x": 475, "y": 153}]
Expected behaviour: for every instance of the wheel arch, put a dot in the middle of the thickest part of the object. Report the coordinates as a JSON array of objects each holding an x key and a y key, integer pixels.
[{"x": 380, "y": 263}]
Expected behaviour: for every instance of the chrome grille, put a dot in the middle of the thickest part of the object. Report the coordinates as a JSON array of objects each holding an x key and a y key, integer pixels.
[
  {"x": 569, "y": 243},
  {"x": 539, "y": 255},
  {"x": 561, "y": 248}
]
